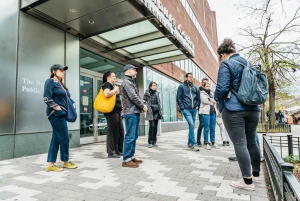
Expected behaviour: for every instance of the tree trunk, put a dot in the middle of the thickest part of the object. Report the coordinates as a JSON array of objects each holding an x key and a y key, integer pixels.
[{"x": 271, "y": 101}]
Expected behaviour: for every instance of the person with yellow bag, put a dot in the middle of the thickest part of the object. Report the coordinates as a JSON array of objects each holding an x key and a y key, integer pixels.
[{"x": 108, "y": 101}]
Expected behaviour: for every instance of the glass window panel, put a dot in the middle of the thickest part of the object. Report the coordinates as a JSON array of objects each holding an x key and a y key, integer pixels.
[
  {"x": 86, "y": 106},
  {"x": 166, "y": 99}
]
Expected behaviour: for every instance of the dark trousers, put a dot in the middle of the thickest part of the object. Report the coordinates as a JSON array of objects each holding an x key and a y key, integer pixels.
[
  {"x": 200, "y": 128},
  {"x": 152, "y": 137},
  {"x": 60, "y": 137},
  {"x": 115, "y": 133},
  {"x": 241, "y": 128}
]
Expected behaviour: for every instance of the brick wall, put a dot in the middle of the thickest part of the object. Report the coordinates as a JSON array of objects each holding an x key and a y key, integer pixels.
[{"x": 203, "y": 57}]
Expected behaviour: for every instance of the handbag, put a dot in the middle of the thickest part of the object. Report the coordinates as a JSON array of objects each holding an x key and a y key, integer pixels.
[
  {"x": 103, "y": 104},
  {"x": 155, "y": 108},
  {"x": 71, "y": 110},
  {"x": 219, "y": 121},
  {"x": 71, "y": 115}
]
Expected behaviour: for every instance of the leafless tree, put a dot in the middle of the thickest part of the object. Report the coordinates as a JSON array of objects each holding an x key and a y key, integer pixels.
[{"x": 273, "y": 41}]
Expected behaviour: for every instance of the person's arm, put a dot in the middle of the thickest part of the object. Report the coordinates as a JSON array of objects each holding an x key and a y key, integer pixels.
[
  {"x": 48, "y": 93},
  {"x": 179, "y": 97},
  {"x": 223, "y": 84},
  {"x": 109, "y": 93},
  {"x": 205, "y": 99},
  {"x": 134, "y": 97}
]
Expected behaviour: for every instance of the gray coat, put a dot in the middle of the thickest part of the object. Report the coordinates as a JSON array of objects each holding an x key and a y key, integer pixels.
[
  {"x": 131, "y": 101},
  {"x": 149, "y": 114}
]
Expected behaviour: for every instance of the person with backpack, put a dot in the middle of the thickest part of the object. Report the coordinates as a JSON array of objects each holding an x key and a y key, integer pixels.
[
  {"x": 115, "y": 132},
  {"x": 188, "y": 101},
  {"x": 201, "y": 124},
  {"x": 240, "y": 119},
  {"x": 56, "y": 96},
  {"x": 154, "y": 113}
]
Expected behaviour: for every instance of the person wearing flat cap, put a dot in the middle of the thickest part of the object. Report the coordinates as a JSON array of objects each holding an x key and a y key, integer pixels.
[
  {"x": 133, "y": 105},
  {"x": 55, "y": 97}
]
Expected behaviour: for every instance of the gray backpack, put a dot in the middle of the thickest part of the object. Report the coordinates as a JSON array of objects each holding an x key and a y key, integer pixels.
[{"x": 254, "y": 86}]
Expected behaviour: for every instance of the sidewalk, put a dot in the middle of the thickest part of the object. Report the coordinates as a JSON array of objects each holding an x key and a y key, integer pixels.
[{"x": 169, "y": 172}]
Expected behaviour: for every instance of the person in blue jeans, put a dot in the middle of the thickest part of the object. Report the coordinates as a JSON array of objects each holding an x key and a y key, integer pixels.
[
  {"x": 133, "y": 105},
  {"x": 55, "y": 97},
  {"x": 188, "y": 101},
  {"x": 208, "y": 112},
  {"x": 201, "y": 124}
]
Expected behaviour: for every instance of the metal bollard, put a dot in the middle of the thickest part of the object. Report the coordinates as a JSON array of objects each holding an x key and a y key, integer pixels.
[{"x": 290, "y": 144}]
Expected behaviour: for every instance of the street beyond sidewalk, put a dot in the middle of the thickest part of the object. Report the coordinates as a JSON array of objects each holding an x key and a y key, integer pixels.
[{"x": 169, "y": 172}]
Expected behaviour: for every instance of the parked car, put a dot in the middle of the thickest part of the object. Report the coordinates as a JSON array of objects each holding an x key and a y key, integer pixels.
[{"x": 102, "y": 126}]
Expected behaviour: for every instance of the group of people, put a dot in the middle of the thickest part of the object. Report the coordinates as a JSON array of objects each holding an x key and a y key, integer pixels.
[{"x": 219, "y": 107}]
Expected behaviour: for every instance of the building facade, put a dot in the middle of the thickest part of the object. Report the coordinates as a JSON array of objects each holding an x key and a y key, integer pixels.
[{"x": 164, "y": 38}]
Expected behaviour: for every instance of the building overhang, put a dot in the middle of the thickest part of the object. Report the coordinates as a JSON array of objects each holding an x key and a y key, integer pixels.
[{"x": 143, "y": 31}]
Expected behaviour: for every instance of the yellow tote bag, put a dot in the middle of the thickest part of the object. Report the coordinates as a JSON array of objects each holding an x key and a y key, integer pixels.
[{"x": 103, "y": 104}]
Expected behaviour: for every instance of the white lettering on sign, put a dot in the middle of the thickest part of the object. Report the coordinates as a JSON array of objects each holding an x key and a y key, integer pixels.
[
  {"x": 31, "y": 86},
  {"x": 164, "y": 17}
]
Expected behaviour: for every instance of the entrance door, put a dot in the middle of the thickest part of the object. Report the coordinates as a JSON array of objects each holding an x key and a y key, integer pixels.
[{"x": 93, "y": 124}]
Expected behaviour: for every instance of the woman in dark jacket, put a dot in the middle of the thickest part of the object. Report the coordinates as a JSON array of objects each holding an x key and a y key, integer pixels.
[
  {"x": 115, "y": 133},
  {"x": 240, "y": 120},
  {"x": 55, "y": 96},
  {"x": 153, "y": 114}
]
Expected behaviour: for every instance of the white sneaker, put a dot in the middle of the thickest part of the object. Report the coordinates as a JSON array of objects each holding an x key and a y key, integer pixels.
[
  {"x": 242, "y": 185},
  {"x": 256, "y": 179},
  {"x": 207, "y": 146},
  {"x": 216, "y": 146}
]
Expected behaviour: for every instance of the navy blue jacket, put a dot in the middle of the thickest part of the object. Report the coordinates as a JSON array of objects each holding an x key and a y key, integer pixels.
[
  {"x": 187, "y": 96},
  {"x": 54, "y": 95},
  {"x": 229, "y": 77}
]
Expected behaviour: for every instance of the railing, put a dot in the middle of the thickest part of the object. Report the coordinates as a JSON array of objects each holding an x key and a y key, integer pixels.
[
  {"x": 287, "y": 144},
  {"x": 279, "y": 128},
  {"x": 284, "y": 184}
]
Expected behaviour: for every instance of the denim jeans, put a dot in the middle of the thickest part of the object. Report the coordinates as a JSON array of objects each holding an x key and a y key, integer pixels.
[
  {"x": 241, "y": 127},
  {"x": 190, "y": 116},
  {"x": 200, "y": 128},
  {"x": 60, "y": 137},
  {"x": 209, "y": 121},
  {"x": 132, "y": 122},
  {"x": 257, "y": 140},
  {"x": 152, "y": 136}
]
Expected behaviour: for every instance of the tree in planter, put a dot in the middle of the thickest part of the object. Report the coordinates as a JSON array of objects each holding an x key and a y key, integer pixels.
[{"x": 275, "y": 42}]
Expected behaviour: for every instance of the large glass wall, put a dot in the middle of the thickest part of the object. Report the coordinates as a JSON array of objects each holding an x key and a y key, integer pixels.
[
  {"x": 94, "y": 62},
  {"x": 167, "y": 89},
  {"x": 189, "y": 66}
]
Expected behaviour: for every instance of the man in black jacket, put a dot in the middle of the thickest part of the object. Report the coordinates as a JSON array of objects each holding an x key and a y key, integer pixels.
[{"x": 188, "y": 101}]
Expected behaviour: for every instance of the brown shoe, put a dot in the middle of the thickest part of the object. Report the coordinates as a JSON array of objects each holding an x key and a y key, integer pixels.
[
  {"x": 130, "y": 164},
  {"x": 137, "y": 161}
]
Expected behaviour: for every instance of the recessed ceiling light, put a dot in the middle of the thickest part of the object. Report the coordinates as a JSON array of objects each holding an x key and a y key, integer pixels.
[
  {"x": 72, "y": 10},
  {"x": 91, "y": 22}
]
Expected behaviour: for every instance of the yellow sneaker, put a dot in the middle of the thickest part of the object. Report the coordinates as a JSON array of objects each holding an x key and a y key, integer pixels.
[
  {"x": 70, "y": 165},
  {"x": 54, "y": 168}
]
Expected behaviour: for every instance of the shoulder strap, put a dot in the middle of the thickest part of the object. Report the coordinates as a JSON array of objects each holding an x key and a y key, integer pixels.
[{"x": 241, "y": 63}]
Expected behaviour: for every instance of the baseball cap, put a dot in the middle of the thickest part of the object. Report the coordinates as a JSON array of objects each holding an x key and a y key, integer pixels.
[
  {"x": 58, "y": 66},
  {"x": 128, "y": 66}
]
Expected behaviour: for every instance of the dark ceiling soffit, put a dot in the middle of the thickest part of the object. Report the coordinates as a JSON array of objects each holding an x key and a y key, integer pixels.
[
  {"x": 37, "y": 3},
  {"x": 167, "y": 59},
  {"x": 45, "y": 18}
]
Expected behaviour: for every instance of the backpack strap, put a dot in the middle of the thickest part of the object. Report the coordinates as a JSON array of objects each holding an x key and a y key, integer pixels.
[
  {"x": 241, "y": 63},
  {"x": 235, "y": 93}
]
